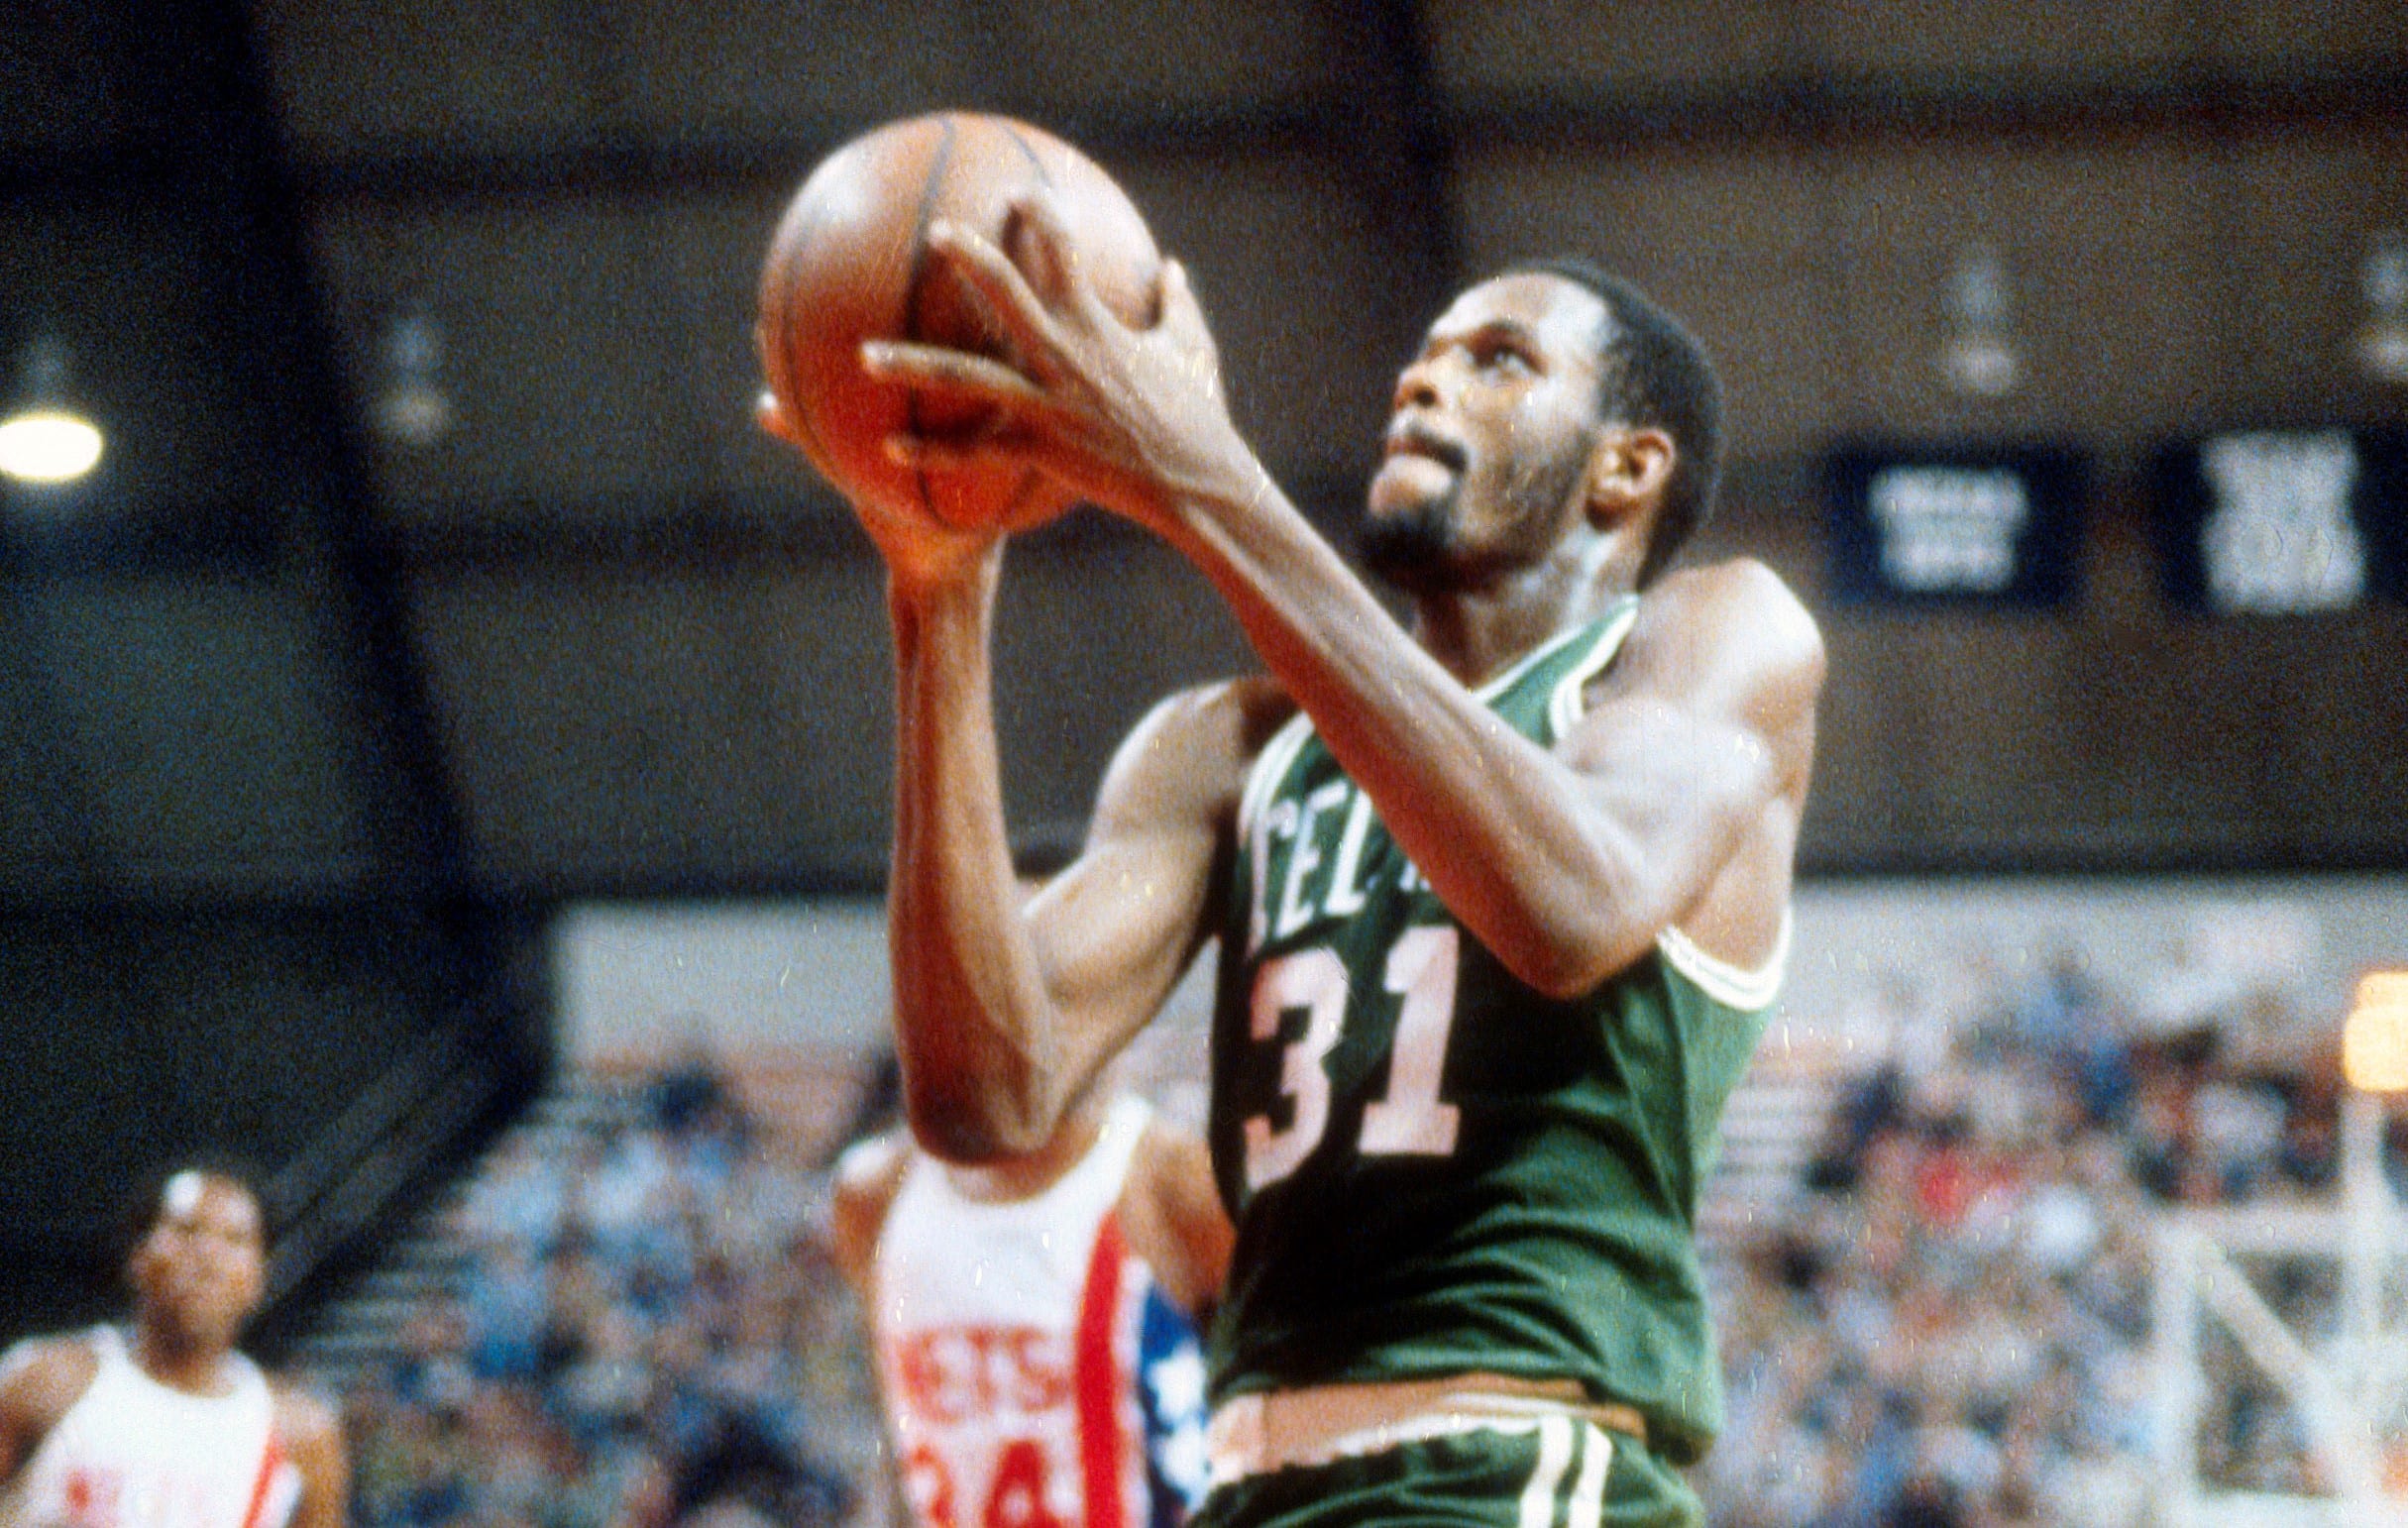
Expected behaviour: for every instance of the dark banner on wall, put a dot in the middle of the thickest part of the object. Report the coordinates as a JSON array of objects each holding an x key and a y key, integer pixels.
[
  {"x": 2283, "y": 523},
  {"x": 1966, "y": 525}
]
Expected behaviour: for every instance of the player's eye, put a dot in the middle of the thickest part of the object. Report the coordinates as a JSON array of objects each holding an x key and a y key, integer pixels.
[{"x": 1504, "y": 358}]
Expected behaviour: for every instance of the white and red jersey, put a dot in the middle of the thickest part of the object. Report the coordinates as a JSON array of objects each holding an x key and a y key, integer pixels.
[
  {"x": 1035, "y": 1375},
  {"x": 133, "y": 1452}
]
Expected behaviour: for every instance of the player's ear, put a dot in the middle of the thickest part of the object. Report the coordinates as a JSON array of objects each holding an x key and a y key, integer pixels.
[{"x": 1627, "y": 471}]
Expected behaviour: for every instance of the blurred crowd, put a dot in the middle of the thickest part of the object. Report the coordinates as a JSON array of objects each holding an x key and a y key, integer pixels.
[
  {"x": 1950, "y": 1322},
  {"x": 644, "y": 1331}
]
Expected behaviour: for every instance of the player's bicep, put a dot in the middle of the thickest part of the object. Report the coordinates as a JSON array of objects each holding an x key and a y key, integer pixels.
[{"x": 1117, "y": 928}]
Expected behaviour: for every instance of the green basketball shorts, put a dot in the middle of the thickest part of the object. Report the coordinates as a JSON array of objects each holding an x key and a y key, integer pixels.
[{"x": 1553, "y": 1471}]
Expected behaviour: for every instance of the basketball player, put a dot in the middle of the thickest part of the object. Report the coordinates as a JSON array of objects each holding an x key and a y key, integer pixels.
[
  {"x": 167, "y": 1425},
  {"x": 1034, "y": 1319},
  {"x": 1501, "y": 898}
]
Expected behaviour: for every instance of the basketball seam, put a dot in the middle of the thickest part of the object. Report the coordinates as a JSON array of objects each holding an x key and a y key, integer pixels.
[
  {"x": 912, "y": 294},
  {"x": 1030, "y": 477}
]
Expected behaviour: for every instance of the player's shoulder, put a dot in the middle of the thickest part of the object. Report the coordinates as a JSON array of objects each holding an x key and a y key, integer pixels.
[
  {"x": 1236, "y": 718},
  {"x": 1188, "y": 758},
  {"x": 42, "y": 1376},
  {"x": 872, "y": 1166},
  {"x": 1740, "y": 587},
  {"x": 1171, "y": 1162},
  {"x": 1727, "y": 629},
  {"x": 304, "y": 1415},
  {"x": 1163, "y": 1143},
  {"x": 867, "y": 1176}
]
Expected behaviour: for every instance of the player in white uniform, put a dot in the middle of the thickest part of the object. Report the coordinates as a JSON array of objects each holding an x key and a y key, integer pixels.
[
  {"x": 168, "y": 1426},
  {"x": 1035, "y": 1320}
]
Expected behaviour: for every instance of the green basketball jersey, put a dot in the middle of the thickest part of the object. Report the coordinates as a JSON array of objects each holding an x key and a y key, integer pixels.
[{"x": 1434, "y": 1168}]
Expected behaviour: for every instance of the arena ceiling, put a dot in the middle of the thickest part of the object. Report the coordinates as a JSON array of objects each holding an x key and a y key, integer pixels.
[{"x": 600, "y": 638}]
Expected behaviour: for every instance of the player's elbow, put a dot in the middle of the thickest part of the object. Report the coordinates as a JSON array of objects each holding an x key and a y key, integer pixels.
[
  {"x": 968, "y": 1124},
  {"x": 1597, "y": 918},
  {"x": 1578, "y": 964}
]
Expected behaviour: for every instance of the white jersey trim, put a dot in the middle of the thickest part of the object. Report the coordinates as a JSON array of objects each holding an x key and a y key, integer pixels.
[
  {"x": 1270, "y": 766},
  {"x": 1728, "y": 984},
  {"x": 1570, "y": 701}
]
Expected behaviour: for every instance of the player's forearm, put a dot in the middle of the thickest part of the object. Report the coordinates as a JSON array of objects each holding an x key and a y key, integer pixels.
[
  {"x": 973, "y": 1025},
  {"x": 1563, "y": 882}
]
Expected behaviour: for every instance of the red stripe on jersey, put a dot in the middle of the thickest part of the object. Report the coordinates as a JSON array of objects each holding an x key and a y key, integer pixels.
[
  {"x": 258, "y": 1488},
  {"x": 1100, "y": 1383}
]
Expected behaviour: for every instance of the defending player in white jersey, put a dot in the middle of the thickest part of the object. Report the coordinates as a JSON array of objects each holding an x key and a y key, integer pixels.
[
  {"x": 165, "y": 1425},
  {"x": 1035, "y": 1320}
]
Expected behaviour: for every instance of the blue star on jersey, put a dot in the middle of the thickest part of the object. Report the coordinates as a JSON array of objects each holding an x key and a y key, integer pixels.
[{"x": 1170, "y": 1386}]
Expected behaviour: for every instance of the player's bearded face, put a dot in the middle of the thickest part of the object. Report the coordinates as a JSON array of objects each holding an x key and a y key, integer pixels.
[
  {"x": 1484, "y": 459},
  {"x": 1478, "y": 525}
]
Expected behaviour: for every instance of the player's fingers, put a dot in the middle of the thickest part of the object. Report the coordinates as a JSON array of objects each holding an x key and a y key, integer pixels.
[
  {"x": 994, "y": 283},
  {"x": 985, "y": 444},
  {"x": 950, "y": 373},
  {"x": 1045, "y": 242}
]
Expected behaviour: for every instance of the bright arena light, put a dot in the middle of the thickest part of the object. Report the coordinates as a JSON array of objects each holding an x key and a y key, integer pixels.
[
  {"x": 48, "y": 444},
  {"x": 2374, "y": 1045}
]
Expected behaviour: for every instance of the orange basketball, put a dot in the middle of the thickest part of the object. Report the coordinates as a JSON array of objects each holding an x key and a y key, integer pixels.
[{"x": 850, "y": 263}]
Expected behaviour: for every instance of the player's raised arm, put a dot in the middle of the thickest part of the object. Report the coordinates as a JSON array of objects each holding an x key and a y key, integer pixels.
[
  {"x": 1004, "y": 1014},
  {"x": 1520, "y": 496}
]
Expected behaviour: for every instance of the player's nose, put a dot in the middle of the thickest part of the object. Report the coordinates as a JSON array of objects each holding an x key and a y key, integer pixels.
[{"x": 1416, "y": 387}]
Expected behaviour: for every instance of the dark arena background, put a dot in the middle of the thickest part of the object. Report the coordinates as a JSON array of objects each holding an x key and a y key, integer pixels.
[{"x": 444, "y": 750}]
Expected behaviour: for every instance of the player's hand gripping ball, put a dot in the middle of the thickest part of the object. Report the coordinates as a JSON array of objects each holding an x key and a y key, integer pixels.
[{"x": 850, "y": 264}]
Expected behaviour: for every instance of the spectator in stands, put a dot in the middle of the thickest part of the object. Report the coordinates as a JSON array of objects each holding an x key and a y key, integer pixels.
[{"x": 1952, "y": 1327}]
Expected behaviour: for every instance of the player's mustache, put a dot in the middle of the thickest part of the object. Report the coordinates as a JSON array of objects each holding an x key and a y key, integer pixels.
[{"x": 1411, "y": 438}]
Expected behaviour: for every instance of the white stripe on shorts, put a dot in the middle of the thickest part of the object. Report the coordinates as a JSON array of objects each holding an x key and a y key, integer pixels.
[
  {"x": 1589, "y": 1492},
  {"x": 1555, "y": 1456},
  {"x": 1587, "y": 1506}
]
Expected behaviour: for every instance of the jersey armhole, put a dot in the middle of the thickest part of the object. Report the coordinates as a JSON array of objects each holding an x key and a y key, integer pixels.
[{"x": 1728, "y": 984}]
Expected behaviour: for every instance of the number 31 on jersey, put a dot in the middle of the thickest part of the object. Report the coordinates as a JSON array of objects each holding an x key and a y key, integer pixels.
[{"x": 1410, "y": 1121}]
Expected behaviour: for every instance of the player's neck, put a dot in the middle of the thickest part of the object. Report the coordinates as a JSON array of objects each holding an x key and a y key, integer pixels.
[
  {"x": 194, "y": 1366},
  {"x": 1476, "y": 634}
]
